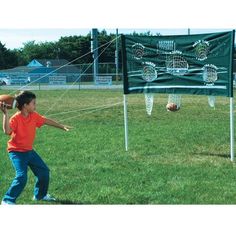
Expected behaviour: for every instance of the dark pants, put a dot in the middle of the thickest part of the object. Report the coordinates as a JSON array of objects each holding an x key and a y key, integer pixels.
[{"x": 21, "y": 161}]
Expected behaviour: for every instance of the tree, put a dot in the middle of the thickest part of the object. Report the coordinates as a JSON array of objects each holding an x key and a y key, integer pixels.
[
  {"x": 107, "y": 47},
  {"x": 69, "y": 48},
  {"x": 8, "y": 58},
  {"x": 2, "y": 56},
  {"x": 31, "y": 50},
  {"x": 72, "y": 47}
]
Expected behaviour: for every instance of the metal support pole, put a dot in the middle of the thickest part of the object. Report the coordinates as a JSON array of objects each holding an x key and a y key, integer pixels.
[
  {"x": 94, "y": 50},
  {"x": 126, "y": 123},
  {"x": 117, "y": 56},
  {"x": 232, "y": 129},
  {"x": 188, "y": 31}
]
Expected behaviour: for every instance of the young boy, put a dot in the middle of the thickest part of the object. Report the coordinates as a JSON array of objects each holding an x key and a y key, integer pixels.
[{"x": 22, "y": 129}]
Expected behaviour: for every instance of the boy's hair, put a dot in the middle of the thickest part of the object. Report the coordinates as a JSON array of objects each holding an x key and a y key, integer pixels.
[{"x": 24, "y": 97}]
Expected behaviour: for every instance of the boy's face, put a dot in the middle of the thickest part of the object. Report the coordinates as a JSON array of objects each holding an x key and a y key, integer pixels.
[{"x": 31, "y": 106}]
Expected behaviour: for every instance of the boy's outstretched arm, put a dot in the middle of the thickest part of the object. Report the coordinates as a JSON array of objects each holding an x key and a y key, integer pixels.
[
  {"x": 56, "y": 124},
  {"x": 5, "y": 123}
]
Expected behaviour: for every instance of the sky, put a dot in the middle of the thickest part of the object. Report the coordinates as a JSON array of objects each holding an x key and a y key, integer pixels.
[
  {"x": 48, "y": 21},
  {"x": 15, "y": 38}
]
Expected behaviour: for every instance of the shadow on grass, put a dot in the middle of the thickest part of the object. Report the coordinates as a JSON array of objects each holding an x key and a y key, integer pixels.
[
  {"x": 69, "y": 202},
  {"x": 227, "y": 156}
]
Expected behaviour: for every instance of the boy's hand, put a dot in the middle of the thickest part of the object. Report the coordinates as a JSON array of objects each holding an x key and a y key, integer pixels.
[
  {"x": 67, "y": 128},
  {"x": 3, "y": 107}
]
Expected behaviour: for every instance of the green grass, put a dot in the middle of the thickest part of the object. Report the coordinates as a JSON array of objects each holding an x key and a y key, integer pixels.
[{"x": 173, "y": 158}]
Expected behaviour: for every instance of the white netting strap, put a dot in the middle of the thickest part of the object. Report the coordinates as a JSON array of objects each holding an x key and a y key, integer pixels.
[
  {"x": 211, "y": 101},
  {"x": 149, "y": 98},
  {"x": 175, "y": 98}
]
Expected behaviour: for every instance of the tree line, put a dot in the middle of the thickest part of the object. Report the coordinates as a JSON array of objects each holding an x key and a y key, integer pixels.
[{"x": 68, "y": 47}]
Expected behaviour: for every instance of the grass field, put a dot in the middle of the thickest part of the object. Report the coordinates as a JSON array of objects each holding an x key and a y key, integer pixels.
[{"x": 173, "y": 158}]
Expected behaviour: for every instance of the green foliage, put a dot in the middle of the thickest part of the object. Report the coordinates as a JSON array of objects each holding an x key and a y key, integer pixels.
[
  {"x": 173, "y": 158},
  {"x": 32, "y": 50},
  {"x": 68, "y": 47},
  {"x": 8, "y": 58},
  {"x": 74, "y": 46}
]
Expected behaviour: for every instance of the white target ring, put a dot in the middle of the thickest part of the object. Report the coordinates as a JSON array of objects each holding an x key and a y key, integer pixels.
[
  {"x": 149, "y": 72},
  {"x": 201, "y": 50},
  {"x": 138, "y": 50},
  {"x": 209, "y": 74},
  {"x": 176, "y": 63}
]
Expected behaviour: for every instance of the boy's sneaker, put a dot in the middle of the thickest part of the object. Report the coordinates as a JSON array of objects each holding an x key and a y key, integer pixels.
[
  {"x": 7, "y": 203},
  {"x": 47, "y": 198}
]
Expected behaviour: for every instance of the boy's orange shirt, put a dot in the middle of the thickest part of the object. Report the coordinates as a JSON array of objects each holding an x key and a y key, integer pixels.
[{"x": 23, "y": 131}]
